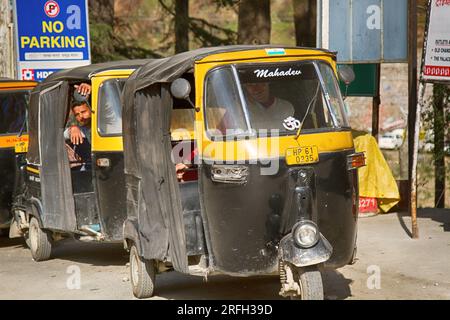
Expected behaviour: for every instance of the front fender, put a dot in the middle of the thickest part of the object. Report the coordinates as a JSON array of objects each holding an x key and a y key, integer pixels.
[
  {"x": 300, "y": 257},
  {"x": 130, "y": 234}
]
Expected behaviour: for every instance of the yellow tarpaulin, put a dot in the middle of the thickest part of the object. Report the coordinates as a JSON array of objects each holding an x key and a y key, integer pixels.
[{"x": 376, "y": 179}]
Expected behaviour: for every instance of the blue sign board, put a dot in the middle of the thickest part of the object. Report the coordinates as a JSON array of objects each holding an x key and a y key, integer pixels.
[
  {"x": 364, "y": 31},
  {"x": 50, "y": 35}
]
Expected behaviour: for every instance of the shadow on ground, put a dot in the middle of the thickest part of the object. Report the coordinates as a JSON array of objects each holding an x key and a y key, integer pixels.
[
  {"x": 95, "y": 254},
  {"x": 6, "y": 242},
  {"x": 441, "y": 216},
  {"x": 177, "y": 286}
]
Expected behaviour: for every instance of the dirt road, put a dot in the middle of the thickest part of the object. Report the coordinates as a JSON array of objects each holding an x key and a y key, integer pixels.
[{"x": 390, "y": 266}]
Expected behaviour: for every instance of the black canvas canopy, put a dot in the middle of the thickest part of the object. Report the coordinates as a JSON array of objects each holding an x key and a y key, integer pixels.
[
  {"x": 152, "y": 188},
  {"x": 46, "y": 123},
  {"x": 168, "y": 69},
  {"x": 88, "y": 71}
]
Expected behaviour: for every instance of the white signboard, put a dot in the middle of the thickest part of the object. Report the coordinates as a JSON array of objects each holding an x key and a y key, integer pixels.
[
  {"x": 364, "y": 31},
  {"x": 437, "y": 48}
]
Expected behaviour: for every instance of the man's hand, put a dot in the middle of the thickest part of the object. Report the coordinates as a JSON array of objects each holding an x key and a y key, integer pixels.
[
  {"x": 180, "y": 169},
  {"x": 76, "y": 136},
  {"x": 83, "y": 89}
]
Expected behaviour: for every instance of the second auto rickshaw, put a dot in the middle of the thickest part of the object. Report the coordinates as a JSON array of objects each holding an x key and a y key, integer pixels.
[
  {"x": 273, "y": 188},
  {"x": 64, "y": 193},
  {"x": 14, "y": 99}
]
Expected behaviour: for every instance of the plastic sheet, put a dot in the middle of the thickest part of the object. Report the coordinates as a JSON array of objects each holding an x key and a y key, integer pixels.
[{"x": 376, "y": 179}]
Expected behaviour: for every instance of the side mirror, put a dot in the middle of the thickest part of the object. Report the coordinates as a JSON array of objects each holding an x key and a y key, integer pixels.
[
  {"x": 346, "y": 74},
  {"x": 180, "y": 89}
]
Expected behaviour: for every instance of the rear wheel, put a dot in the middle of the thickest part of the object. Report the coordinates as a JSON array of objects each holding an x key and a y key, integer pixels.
[
  {"x": 142, "y": 275},
  {"x": 39, "y": 241},
  {"x": 310, "y": 282}
]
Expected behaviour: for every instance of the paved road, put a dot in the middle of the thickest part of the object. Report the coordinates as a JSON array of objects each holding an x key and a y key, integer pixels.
[{"x": 408, "y": 269}]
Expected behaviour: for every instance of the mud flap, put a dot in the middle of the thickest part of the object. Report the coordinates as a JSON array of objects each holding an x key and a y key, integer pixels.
[{"x": 299, "y": 257}]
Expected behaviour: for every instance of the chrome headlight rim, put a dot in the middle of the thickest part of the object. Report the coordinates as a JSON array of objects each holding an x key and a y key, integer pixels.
[{"x": 305, "y": 224}]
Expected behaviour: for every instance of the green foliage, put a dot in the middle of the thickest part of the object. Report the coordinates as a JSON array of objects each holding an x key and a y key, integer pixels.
[
  {"x": 106, "y": 45},
  {"x": 204, "y": 33},
  {"x": 436, "y": 123},
  {"x": 441, "y": 93}
]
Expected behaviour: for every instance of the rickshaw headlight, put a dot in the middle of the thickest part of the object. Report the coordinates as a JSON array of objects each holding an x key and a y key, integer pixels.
[{"x": 305, "y": 234}]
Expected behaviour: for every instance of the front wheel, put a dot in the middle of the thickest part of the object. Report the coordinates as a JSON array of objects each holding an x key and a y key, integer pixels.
[
  {"x": 311, "y": 284},
  {"x": 39, "y": 241},
  {"x": 142, "y": 275}
]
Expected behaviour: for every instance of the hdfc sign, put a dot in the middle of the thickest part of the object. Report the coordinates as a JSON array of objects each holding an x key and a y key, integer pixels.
[
  {"x": 51, "y": 35},
  {"x": 27, "y": 74},
  {"x": 436, "y": 66}
]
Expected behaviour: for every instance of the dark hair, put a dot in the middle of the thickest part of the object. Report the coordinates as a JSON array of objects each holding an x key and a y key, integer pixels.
[{"x": 78, "y": 103}]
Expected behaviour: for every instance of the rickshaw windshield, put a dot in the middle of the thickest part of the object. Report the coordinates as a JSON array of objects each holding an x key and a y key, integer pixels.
[
  {"x": 252, "y": 98},
  {"x": 13, "y": 108},
  {"x": 109, "y": 107}
]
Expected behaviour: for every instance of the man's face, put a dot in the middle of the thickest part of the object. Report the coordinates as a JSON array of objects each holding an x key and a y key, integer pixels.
[
  {"x": 259, "y": 91},
  {"x": 82, "y": 114}
]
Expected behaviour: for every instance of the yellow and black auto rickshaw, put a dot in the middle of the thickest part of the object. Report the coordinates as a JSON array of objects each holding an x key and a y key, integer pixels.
[
  {"x": 14, "y": 98},
  {"x": 272, "y": 186},
  {"x": 66, "y": 194}
]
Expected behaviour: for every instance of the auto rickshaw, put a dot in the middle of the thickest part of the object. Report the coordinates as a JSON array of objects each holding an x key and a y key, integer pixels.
[
  {"x": 14, "y": 98},
  {"x": 275, "y": 190},
  {"x": 62, "y": 198}
]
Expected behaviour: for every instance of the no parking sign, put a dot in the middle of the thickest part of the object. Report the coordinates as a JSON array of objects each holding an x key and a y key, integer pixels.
[{"x": 50, "y": 35}]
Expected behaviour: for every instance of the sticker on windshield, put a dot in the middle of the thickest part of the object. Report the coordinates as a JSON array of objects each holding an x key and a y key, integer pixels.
[
  {"x": 267, "y": 73},
  {"x": 275, "y": 52},
  {"x": 290, "y": 123}
]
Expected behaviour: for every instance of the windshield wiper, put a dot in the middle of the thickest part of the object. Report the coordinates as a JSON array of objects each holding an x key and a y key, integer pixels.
[{"x": 313, "y": 101}]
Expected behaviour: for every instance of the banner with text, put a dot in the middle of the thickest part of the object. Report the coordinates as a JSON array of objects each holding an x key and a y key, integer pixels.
[{"x": 437, "y": 49}]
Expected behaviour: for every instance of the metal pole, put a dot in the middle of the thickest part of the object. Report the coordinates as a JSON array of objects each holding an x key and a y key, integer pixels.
[
  {"x": 376, "y": 101},
  {"x": 415, "y": 228},
  {"x": 413, "y": 117}
]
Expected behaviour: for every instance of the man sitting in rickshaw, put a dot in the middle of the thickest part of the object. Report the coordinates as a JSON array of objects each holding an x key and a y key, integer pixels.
[
  {"x": 79, "y": 135},
  {"x": 266, "y": 109}
]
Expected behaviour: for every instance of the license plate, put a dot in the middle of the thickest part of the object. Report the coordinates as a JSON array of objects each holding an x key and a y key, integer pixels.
[
  {"x": 21, "y": 147},
  {"x": 302, "y": 155}
]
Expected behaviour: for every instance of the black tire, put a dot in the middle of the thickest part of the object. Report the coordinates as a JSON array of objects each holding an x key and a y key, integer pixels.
[
  {"x": 311, "y": 284},
  {"x": 39, "y": 241},
  {"x": 142, "y": 275},
  {"x": 26, "y": 237}
]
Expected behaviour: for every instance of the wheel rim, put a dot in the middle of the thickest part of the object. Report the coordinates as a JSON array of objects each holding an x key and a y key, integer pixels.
[{"x": 134, "y": 265}]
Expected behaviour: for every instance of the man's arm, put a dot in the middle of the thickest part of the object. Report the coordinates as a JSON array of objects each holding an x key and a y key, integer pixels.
[{"x": 74, "y": 134}]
